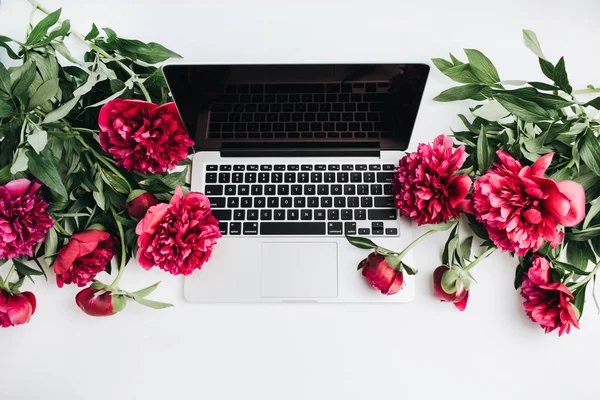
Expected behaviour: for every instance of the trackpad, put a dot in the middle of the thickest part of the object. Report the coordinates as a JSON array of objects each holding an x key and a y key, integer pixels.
[{"x": 299, "y": 270}]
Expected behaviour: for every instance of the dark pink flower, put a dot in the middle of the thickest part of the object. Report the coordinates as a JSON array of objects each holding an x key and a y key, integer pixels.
[
  {"x": 16, "y": 309},
  {"x": 138, "y": 206},
  {"x": 100, "y": 305},
  {"x": 86, "y": 255},
  {"x": 458, "y": 297},
  {"x": 520, "y": 208},
  {"x": 424, "y": 184},
  {"x": 24, "y": 220},
  {"x": 381, "y": 275},
  {"x": 142, "y": 136},
  {"x": 178, "y": 237},
  {"x": 547, "y": 302}
]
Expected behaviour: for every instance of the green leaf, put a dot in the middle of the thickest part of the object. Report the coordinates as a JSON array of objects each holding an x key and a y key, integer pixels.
[
  {"x": 560, "y": 76},
  {"x": 61, "y": 31},
  {"x": 45, "y": 92},
  {"x": 20, "y": 163},
  {"x": 93, "y": 33},
  {"x": 394, "y": 262},
  {"x": 582, "y": 235},
  {"x": 155, "y": 53},
  {"x": 146, "y": 291},
  {"x": 440, "y": 227},
  {"x": 482, "y": 67},
  {"x": 461, "y": 73},
  {"x": 151, "y": 303},
  {"x": 117, "y": 183},
  {"x": 45, "y": 170},
  {"x": 528, "y": 111},
  {"x": 491, "y": 111},
  {"x": 568, "y": 267},
  {"x": 37, "y": 140},
  {"x": 51, "y": 245},
  {"x": 21, "y": 85},
  {"x": 24, "y": 269},
  {"x": 4, "y": 79},
  {"x": 544, "y": 100},
  {"x": 547, "y": 68},
  {"x": 175, "y": 179},
  {"x": 441, "y": 64},
  {"x": 519, "y": 272},
  {"x": 42, "y": 27},
  {"x": 532, "y": 43},
  {"x": 589, "y": 151},
  {"x": 477, "y": 228},
  {"x": 6, "y": 109},
  {"x": 100, "y": 199},
  {"x": 542, "y": 86},
  {"x": 46, "y": 64},
  {"x": 460, "y": 93},
  {"x": 465, "y": 248},
  {"x": 61, "y": 111},
  {"x": 484, "y": 158},
  {"x": 579, "y": 299},
  {"x": 579, "y": 254},
  {"x": 448, "y": 254},
  {"x": 4, "y": 40},
  {"x": 594, "y": 103},
  {"x": 361, "y": 242},
  {"x": 593, "y": 211}
]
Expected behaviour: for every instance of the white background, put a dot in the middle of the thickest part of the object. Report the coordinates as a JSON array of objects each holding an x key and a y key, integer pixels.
[{"x": 424, "y": 349}]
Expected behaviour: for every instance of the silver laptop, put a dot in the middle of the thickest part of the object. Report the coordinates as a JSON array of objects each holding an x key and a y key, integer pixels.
[{"x": 292, "y": 158}]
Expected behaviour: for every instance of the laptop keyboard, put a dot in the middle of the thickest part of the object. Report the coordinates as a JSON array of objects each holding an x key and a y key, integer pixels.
[
  {"x": 302, "y": 199},
  {"x": 300, "y": 110}
]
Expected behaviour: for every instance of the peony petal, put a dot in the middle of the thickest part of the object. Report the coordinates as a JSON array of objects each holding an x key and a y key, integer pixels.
[
  {"x": 65, "y": 258},
  {"x": 31, "y": 298},
  {"x": 508, "y": 161},
  {"x": 104, "y": 117},
  {"x": 458, "y": 189},
  {"x": 555, "y": 201},
  {"x": 177, "y": 196},
  {"x": 532, "y": 216},
  {"x": 576, "y": 195},
  {"x": 91, "y": 236},
  {"x": 461, "y": 305},
  {"x": 19, "y": 309},
  {"x": 541, "y": 165},
  {"x": 18, "y": 187}
]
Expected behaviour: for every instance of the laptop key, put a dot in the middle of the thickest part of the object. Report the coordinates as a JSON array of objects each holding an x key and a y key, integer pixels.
[
  {"x": 246, "y": 202},
  {"x": 292, "y": 228},
  {"x": 250, "y": 228},
  {"x": 259, "y": 202},
  {"x": 313, "y": 202},
  {"x": 292, "y": 215},
  {"x": 239, "y": 215},
  {"x": 270, "y": 190},
  {"x": 243, "y": 190},
  {"x": 369, "y": 177},
  {"x": 350, "y": 228},
  {"x": 353, "y": 202},
  {"x": 384, "y": 202},
  {"x": 235, "y": 228},
  {"x": 222, "y": 215},
  {"x": 391, "y": 231},
  {"x": 364, "y": 231},
  {"x": 252, "y": 215},
  {"x": 279, "y": 214},
  {"x": 223, "y": 228},
  {"x": 319, "y": 214},
  {"x": 356, "y": 177},
  {"x": 323, "y": 190},
  {"x": 306, "y": 214},
  {"x": 211, "y": 167},
  {"x": 346, "y": 214},
  {"x": 376, "y": 189},
  {"x": 385, "y": 176},
  {"x": 333, "y": 214},
  {"x": 360, "y": 214},
  {"x": 286, "y": 202},
  {"x": 256, "y": 190},
  {"x": 366, "y": 202},
  {"x": 233, "y": 202},
  {"x": 283, "y": 190},
  {"x": 349, "y": 190},
  {"x": 214, "y": 190},
  {"x": 211, "y": 178},
  {"x": 336, "y": 190},
  {"x": 382, "y": 214},
  {"x": 309, "y": 189},
  {"x": 334, "y": 228},
  {"x": 273, "y": 202},
  {"x": 339, "y": 202},
  {"x": 326, "y": 202},
  {"x": 217, "y": 202},
  {"x": 266, "y": 215},
  {"x": 237, "y": 177},
  {"x": 230, "y": 190}
]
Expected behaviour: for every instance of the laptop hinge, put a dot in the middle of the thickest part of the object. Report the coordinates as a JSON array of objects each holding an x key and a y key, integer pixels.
[{"x": 301, "y": 149}]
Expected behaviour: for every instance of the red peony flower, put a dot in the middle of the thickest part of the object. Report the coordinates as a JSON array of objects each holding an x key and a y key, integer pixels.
[
  {"x": 459, "y": 296},
  {"x": 520, "y": 208},
  {"x": 178, "y": 237},
  {"x": 547, "y": 302},
  {"x": 86, "y": 255},
  {"x": 138, "y": 206},
  {"x": 16, "y": 309},
  {"x": 424, "y": 184},
  {"x": 103, "y": 305},
  {"x": 381, "y": 275},
  {"x": 24, "y": 221},
  {"x": 142, "y": 136}
]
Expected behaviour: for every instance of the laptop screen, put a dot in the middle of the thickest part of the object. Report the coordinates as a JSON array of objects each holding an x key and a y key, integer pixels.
[{"x": 324, "y": 104}]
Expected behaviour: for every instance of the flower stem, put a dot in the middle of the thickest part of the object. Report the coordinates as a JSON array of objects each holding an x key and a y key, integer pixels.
[
  {"x": 99, "y": 51},
  {"x": 586, "y": 279},
  {"x": 415, "y": 242},
  {"x": 480, "y": 258},
  {"x": 104, "y": 161},
  {"x": 60, "y": 228},
  {"x": 123, "y": 250},
  {"x": 10, "y": 272}
]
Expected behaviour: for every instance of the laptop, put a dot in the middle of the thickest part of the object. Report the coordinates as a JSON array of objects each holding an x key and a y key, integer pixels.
[{"x": 292, "y": 158}]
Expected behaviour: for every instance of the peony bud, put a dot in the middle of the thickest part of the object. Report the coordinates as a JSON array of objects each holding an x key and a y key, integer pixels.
[
  {"x": 103, "y": 305},
  {"x": 381, "y": 275},
  {"x": 16, "y": 309},
  {"x": 139, "y": 202},
  {"x": 449, "y": 286}
]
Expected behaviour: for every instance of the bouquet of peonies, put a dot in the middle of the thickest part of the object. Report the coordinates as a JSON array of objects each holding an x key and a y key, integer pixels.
[
  {"x": 524, "y": 178},
  {"x": 87, "y": 160}
]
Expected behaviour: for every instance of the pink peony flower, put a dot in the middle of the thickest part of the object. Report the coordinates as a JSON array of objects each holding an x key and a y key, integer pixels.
[
  {"x": 381, "y": 275},
  {"x": 424, "y": 184},
  {"x": 103, "y": 305},
  {"x": 84, "y": 257},
  {"x": 178, "y": 237},
  {"x": 138, "y": 206},
  {"x": 547, "y": 302},
  {"x": 24, "y": 220},
  {"x": 520, "y": 209},
  {"x": 142, "y": 136},
  {"x": 459, "y": 297},
  {"x": 16, "y": 309}
]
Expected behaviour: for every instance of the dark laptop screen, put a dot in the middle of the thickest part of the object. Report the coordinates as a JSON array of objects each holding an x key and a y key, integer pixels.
[{"x": 317, "y": 103}]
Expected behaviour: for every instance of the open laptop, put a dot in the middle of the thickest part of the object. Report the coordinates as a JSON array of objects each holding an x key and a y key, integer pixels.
[{"x": 292, "y": 157}]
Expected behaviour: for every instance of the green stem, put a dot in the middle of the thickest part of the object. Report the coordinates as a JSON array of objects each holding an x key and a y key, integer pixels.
[
  {"x": 584, "y": 91},
  {"x": 60, "y": 228},
  {"x": 571, "y": 163},
  {"x": 123, "y": 250},
  {"x": 415, "y": 242},
  {"x": 10, "y": 272},
  {"x": 478, "y": 259},
  {"x": 586, "y": 279},
  {"x": 104, "y": 161},
  {"x": 100, "y": 51}
]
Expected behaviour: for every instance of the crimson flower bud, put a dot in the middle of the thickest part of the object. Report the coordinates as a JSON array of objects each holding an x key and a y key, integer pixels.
[
  {"x": 139, "y": 202},
  {"x": 381, "y": 275},
  {"x": 449, "y": 286},
  {"x": 103, "y": 305},
  {"x": 16, "y": 309}
]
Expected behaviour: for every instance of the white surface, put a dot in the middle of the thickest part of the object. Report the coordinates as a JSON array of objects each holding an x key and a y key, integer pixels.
[
  {"x": 423, "y": 349},
  {"x": 234, "y": 271}
]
